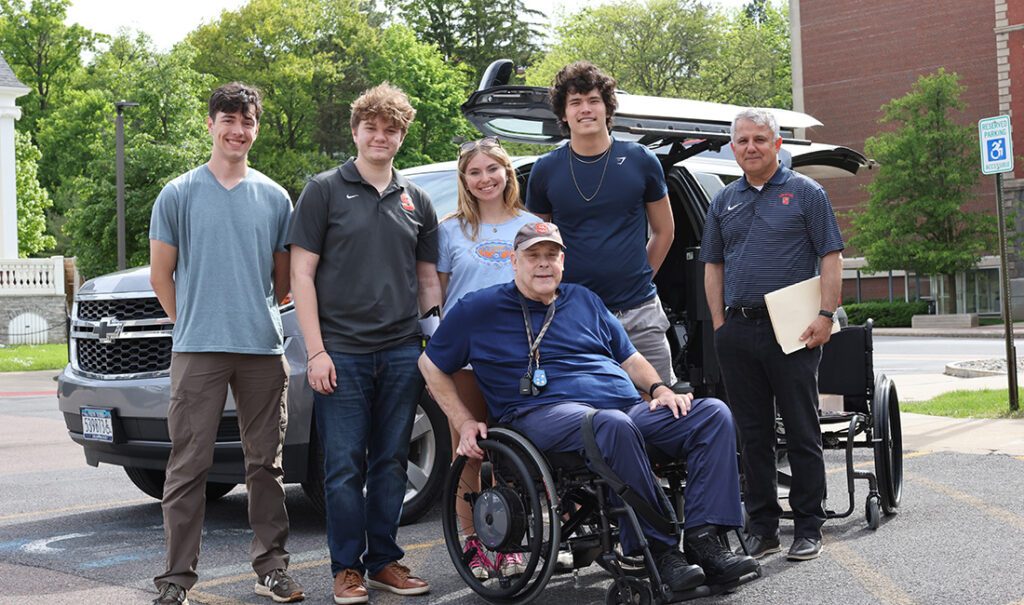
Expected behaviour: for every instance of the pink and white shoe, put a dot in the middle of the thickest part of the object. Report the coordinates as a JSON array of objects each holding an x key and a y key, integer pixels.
[{"x": 480, "y": 565}]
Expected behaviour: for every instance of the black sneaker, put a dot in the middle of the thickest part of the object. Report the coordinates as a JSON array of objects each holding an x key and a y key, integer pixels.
[
  {"x": 760, "y": 546},
  {"x": 703, "y": 546},
  {"x": 676, "y": 572},
  {"x": 280, "y": 586},
  {"x": 171, "y": 594},
  {"x": 804, "y": 549}
]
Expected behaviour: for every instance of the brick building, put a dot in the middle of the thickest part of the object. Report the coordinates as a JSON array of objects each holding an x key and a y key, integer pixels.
[{"x": 850, "y": 58}]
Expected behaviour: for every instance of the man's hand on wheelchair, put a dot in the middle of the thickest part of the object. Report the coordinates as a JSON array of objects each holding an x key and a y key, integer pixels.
[
  {"x": 468, "y": 432},
  {"x": 667, "y": 398}
]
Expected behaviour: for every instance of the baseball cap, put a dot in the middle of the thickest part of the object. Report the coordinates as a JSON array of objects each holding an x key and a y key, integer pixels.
[{"x": 533, "y": 233}]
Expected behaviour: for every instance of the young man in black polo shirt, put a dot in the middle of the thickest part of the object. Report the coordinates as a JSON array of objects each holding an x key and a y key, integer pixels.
[
  {"x": 364, "y": 251},
  {"x": 767, "y": 230}
]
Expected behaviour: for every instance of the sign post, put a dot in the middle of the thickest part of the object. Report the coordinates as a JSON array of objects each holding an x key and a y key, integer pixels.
[{"x": 994, "y": 134}]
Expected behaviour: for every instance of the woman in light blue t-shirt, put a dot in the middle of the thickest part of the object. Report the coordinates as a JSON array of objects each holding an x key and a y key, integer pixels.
[{"x": 475, "y": 245}]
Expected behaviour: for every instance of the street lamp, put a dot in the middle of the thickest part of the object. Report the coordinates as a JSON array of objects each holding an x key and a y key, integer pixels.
[{"x": 120, "y": 105}]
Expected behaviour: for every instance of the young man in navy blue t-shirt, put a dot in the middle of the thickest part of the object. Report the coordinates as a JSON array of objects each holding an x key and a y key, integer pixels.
[
  {"x": 588, "y": 362},
  {"x": 603, "y": 193}
]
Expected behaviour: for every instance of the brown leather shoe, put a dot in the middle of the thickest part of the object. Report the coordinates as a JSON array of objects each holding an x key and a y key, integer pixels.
[
  {"x": 348, "y": 588},
  {"x": 396, "y": 578}
]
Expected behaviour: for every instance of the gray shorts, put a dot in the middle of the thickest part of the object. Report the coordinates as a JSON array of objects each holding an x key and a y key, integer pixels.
[{"x": 646, "y": 325}]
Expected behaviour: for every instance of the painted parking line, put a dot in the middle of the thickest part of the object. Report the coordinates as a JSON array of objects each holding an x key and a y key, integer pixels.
[
  {"x": 840, "y": 469},
  {"x": 977, "y": 503},
  {"x": 880, "y": 585},
  {"x": 28, "y": 393},
  {"x": 74, "y": 508}
]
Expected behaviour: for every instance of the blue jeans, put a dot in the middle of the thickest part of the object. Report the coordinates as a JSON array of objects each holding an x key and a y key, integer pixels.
[{"x": 367, "y": 421}]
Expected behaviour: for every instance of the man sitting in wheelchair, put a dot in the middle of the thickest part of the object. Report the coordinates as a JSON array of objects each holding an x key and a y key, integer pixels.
[{"x": 544, "y": 355}]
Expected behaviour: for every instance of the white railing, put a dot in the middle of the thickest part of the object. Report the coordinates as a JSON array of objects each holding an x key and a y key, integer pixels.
[{"x": 32, "y": 276}]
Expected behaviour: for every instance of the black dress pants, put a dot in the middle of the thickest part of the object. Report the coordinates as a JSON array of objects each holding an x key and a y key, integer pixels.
[{"x": 759, "y": 378}]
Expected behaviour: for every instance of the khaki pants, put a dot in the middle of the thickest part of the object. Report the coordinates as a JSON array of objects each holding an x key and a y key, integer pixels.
[
  {"x": 646, "y": 325},
  {"x": 199, "y": 383}
]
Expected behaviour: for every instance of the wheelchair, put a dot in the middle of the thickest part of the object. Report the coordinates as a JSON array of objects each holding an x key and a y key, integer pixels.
[
  {"x": 536, "y": 504},
  {"x": 870, "y": 419}
]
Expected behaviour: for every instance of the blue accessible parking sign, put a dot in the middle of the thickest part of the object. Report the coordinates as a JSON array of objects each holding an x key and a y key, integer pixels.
[{"x": 994, "y": 135}]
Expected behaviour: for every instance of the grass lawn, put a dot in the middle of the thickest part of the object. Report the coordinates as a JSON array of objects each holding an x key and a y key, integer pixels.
[
  {"x": 988, "y": 403},
  {"x": 20, "y": 358}
]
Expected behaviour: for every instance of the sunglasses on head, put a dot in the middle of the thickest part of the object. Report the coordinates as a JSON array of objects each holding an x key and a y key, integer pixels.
[{"x": 484, "y": 142}]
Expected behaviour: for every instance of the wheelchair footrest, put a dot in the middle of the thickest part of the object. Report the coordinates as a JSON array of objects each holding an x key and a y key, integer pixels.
[{"x": 710, "y": 590}]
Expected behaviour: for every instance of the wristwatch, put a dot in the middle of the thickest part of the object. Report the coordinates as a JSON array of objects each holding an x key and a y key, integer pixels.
[
  {"x": 650, "y": 391},
  {"x": 828, "y": 314}
]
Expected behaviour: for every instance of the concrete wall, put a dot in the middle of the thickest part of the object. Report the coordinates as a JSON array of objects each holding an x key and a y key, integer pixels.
[{"x": 30, "y": 312}]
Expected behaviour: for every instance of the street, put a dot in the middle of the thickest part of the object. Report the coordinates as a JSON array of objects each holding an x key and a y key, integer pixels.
[{"x": 70, "y": 533}]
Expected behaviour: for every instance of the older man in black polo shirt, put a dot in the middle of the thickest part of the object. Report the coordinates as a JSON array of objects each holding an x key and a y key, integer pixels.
[{"x": 770, "y": 229}]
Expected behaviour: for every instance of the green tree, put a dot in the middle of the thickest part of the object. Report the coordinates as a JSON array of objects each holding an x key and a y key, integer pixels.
[
  {"x": 33, "y": 200},
  {"x": 474, "y": 32},
  {"x": 653, "y": 47},
  {"x": 751, "y": 65},
  {"x": 914, "y": 218},
  {"x": 680, "y": 48},
  {"x": 42, "y": 51},
  {"x": 435, "y": 89},
  {"x": 309, "y": 58},
  {"x": 164, "y": 137}
]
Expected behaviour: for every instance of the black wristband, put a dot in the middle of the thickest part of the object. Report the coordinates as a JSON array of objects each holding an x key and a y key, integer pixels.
[
  {"x": 650, "y": 391},
  {"x": 828, "y": 314}
]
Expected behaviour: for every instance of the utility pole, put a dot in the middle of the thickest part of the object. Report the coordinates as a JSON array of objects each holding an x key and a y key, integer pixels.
[{"x": 120, "y": 105}]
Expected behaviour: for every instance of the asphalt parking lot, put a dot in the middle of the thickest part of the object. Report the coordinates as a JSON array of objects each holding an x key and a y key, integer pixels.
[{"x": 70, "y": 533}]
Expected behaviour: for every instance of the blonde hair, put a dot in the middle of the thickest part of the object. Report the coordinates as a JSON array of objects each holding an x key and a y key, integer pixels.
[
  {"x": 383, "y": 101},
  {"x": 468, "y": 209}
]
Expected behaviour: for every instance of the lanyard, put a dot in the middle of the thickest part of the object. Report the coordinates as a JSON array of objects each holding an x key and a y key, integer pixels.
[{"x": 534, "y": 354}]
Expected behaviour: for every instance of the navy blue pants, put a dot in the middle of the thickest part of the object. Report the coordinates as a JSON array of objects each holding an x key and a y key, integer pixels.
[
  {"x": 705, "y": 438},
  {"x": 759, "y": 378}
]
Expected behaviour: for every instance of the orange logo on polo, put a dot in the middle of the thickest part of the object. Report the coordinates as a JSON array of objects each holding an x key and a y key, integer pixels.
[
  {"x": 542, "y": 228},
  {"x": 407, "y": 202},
  {"x": 785, "y": 197}
]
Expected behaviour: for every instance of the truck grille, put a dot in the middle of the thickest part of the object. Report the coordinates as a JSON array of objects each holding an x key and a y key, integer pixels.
[
  {"x": 126, "y": 356},
  {"x": 120, "y": 337},
  {"x": 121, "y": 308}
]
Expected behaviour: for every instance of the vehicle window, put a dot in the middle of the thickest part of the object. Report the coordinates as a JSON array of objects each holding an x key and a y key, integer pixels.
[{"x": 441, "y": 187}]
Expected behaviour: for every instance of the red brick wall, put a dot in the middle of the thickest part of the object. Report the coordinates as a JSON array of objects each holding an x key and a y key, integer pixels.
[
  {"x": 1015, "y": 16},
  {"x": 860, "y": 54},
  {"x": 875, "y": 288}
]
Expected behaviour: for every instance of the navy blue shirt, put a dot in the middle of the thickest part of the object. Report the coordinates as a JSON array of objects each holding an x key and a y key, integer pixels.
[
  {"x": 768, "y": 239},
  {"x": 605, "y": 238},
  {"x": 580, "y": 353}
]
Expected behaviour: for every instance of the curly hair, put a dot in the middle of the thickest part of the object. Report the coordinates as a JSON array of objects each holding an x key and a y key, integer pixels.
[
  {"x": 236, "y": 97},
  {"x": 581, "y": 77},
  {"x": 383, "y": 101},
  {"x": 468, "y": 209}
]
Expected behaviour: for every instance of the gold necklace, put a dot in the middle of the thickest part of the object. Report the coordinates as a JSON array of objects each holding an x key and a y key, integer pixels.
[{"x": 572, "y": 169}]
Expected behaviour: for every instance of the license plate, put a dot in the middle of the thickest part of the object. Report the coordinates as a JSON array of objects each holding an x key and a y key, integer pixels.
[{"x": 97, "y": 425}]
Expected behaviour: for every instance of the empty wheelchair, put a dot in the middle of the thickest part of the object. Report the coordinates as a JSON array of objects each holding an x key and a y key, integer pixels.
[
  {"x": 870, "y": 419},
  {"x": 536, "y": 504}
]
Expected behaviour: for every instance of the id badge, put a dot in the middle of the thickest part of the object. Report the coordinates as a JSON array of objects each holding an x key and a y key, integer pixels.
[{"x": 540, "y": 377}]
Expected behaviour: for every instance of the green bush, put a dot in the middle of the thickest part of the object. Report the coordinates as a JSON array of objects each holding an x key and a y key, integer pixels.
[{"x": 896, "y": 314}]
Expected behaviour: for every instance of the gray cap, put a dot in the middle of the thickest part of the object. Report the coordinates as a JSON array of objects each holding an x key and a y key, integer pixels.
[{"x": 533, "y": 233}]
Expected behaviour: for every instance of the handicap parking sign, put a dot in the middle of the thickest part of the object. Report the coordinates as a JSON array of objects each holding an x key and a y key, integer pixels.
[{"x": 995, "y": 137}]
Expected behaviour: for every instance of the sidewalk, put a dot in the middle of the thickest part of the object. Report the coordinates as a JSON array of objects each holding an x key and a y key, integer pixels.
[{"x": 979, "y": 332}]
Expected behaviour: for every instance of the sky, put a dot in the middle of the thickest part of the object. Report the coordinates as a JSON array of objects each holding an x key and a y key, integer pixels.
[{"x": 168, "y": 23}]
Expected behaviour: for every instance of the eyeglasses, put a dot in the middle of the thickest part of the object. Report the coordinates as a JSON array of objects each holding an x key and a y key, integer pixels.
[{"x": 484, "y": 142}]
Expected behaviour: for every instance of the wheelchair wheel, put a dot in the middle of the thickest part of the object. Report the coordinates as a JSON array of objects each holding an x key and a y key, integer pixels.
[
  {"x": 515, "y": 511},
  {"x": 871, "y": 511},
  {"x": 888, "y": 434},
  {"x": 628, "y": 591}
]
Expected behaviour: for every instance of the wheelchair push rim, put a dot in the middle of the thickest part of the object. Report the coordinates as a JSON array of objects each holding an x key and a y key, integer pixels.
[{"x": 514, "y": 472}]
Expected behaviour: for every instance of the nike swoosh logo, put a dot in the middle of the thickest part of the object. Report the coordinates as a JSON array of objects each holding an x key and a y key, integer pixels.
[
  {"x": 730, "y": 208},
  {"x": 351, "y": 196}
]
